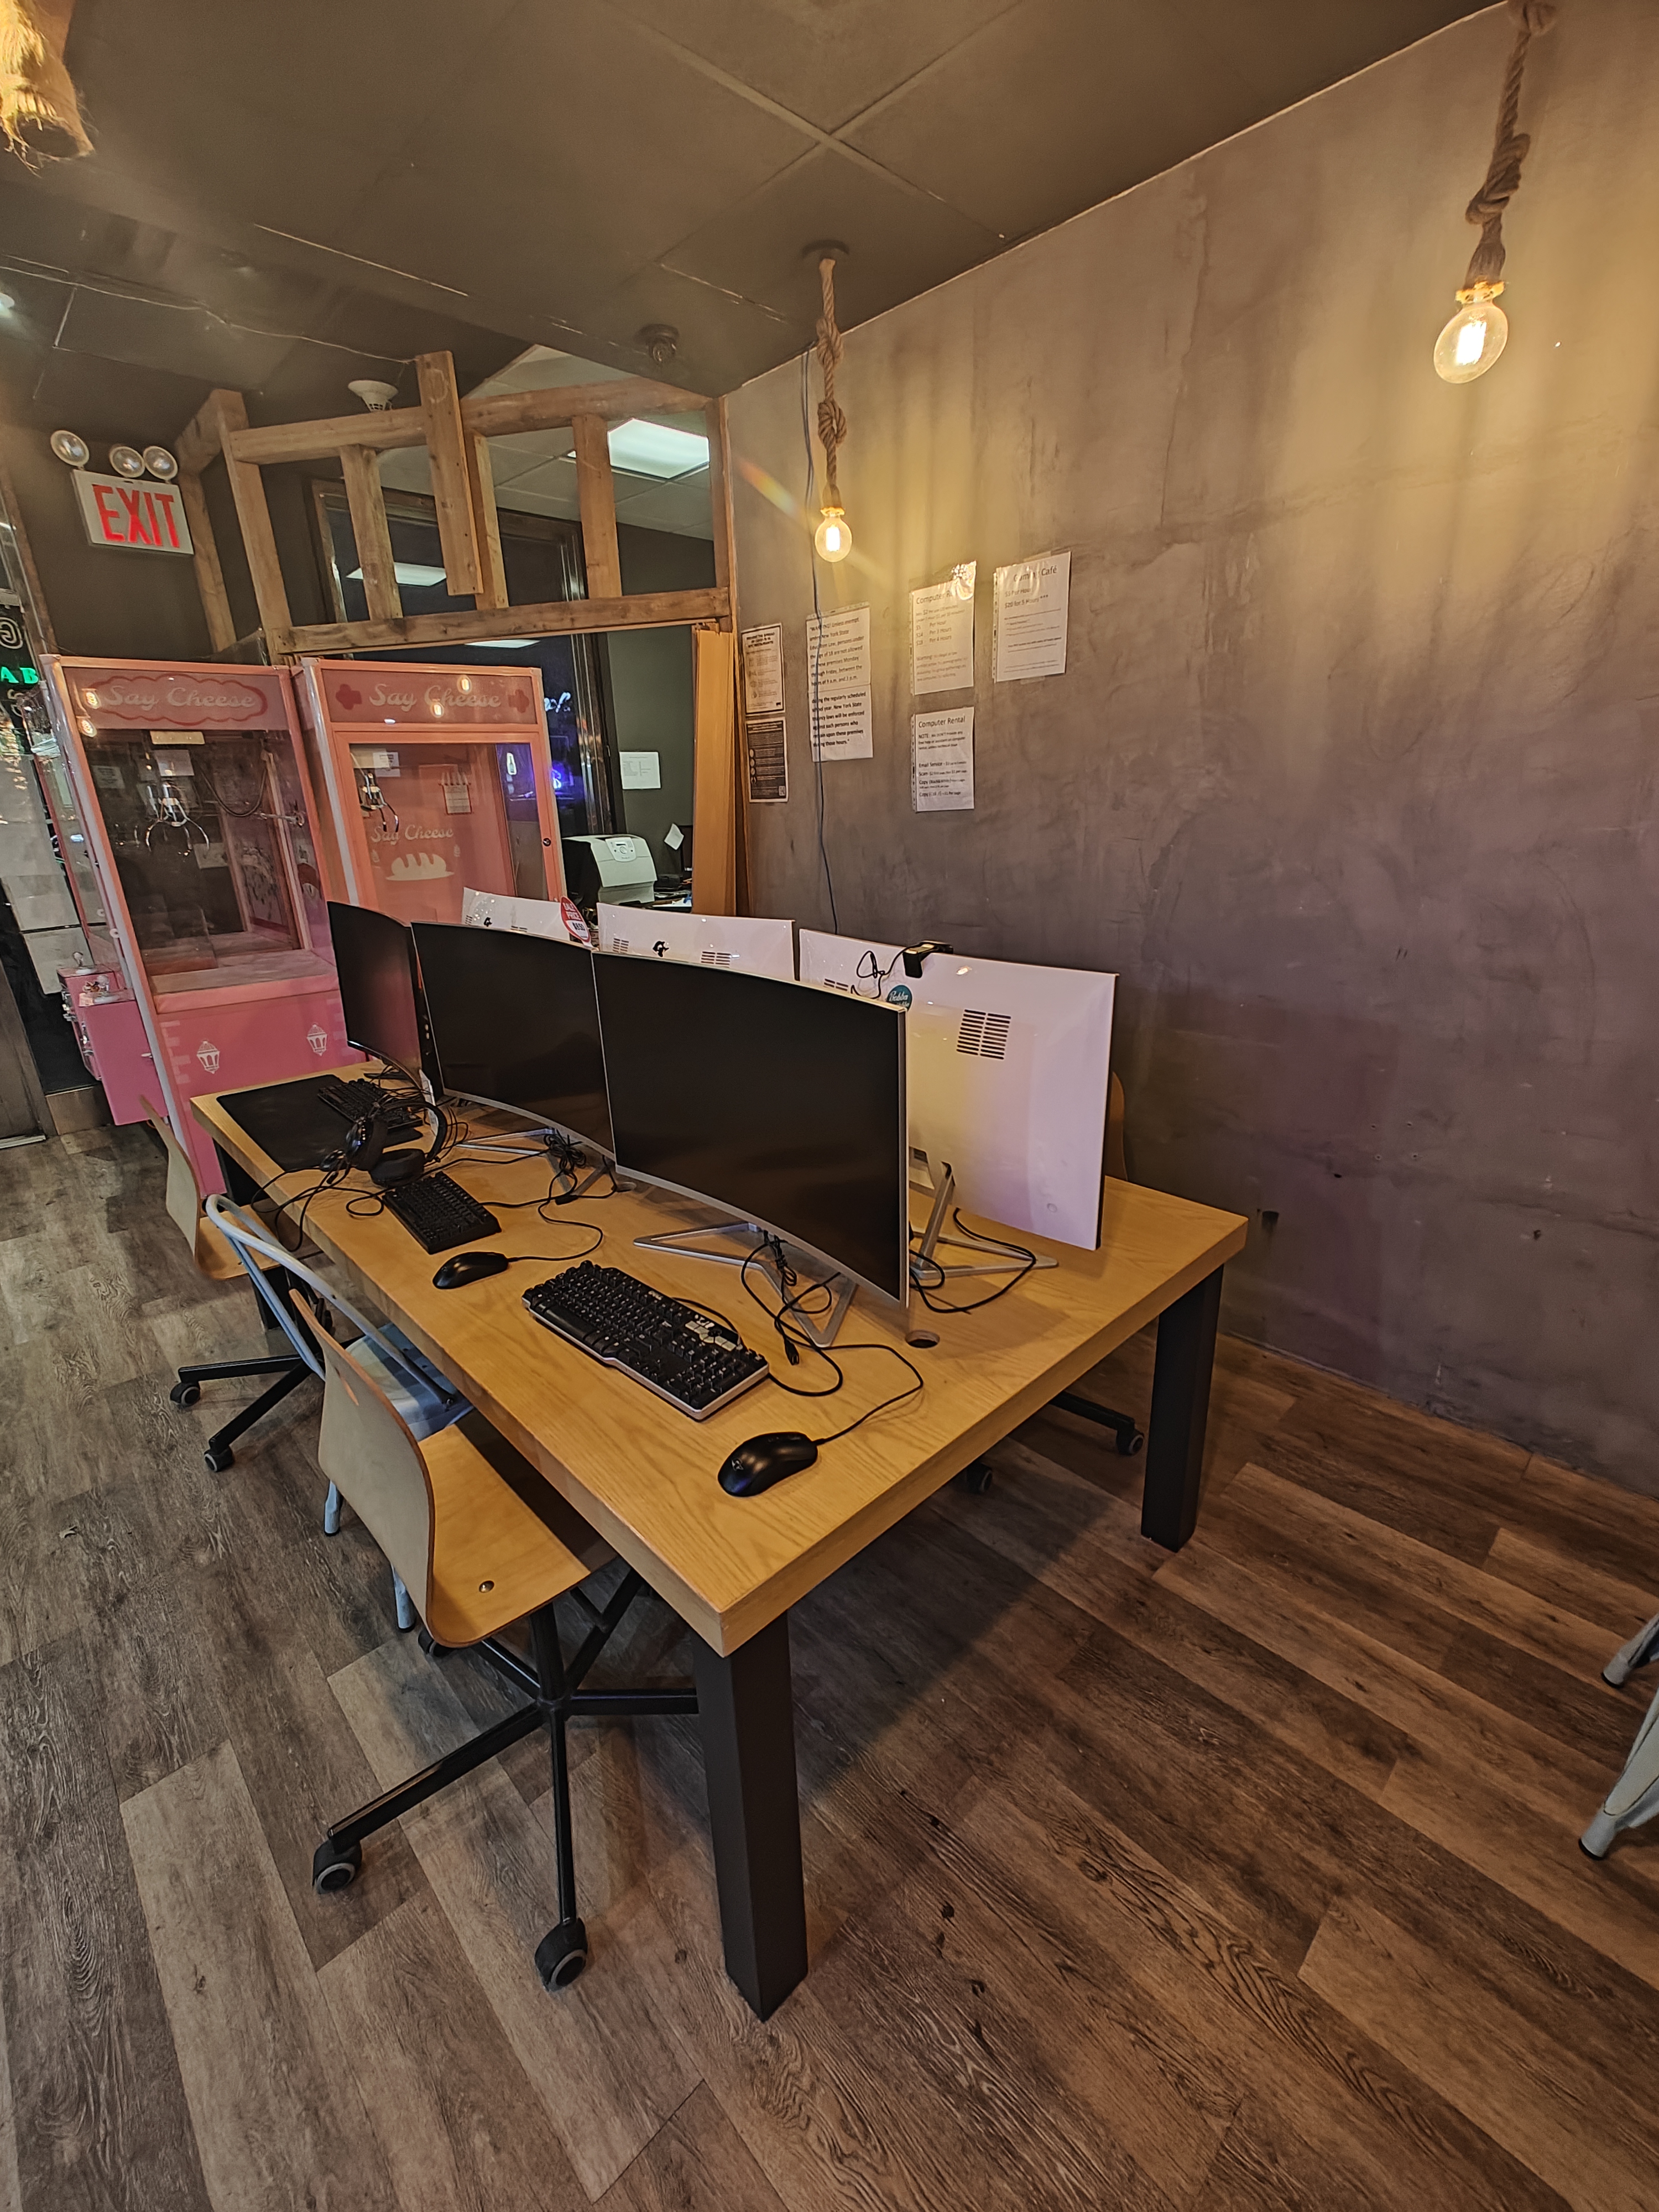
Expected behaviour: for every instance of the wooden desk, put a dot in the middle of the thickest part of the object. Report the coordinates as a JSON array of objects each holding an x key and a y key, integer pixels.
[{"x": 644, "y": 1474}]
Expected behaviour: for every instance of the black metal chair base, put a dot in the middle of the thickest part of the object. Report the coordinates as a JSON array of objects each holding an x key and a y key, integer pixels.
[
  {"x": 289, "y": 1372},
  {"x": 1131, "y": 1437},
  {"x": 555, "y": 1697}
]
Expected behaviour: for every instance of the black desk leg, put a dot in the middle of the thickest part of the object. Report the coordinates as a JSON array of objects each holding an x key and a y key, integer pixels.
[
  {"x": 1181, "y": 1406},
  {"x": 746, "y": 1709},
  {"x": 239, "y": 1186}
]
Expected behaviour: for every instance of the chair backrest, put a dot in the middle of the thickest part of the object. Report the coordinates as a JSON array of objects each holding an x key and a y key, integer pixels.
[
  {"x": 208, "y": 1248},
  {"x": 367, "y": 1450},
  {"x": 418, "y": 1393}
]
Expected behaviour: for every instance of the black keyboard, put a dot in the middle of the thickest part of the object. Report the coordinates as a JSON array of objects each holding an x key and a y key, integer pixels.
[
  {"x": 352, "y": 1100},
  {"x": 696, "y": 1362},
  {"x": 436, "y": 1211}
]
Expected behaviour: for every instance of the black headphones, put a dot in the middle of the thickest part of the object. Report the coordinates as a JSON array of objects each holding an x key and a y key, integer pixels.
[{"x": 370, "y": 1139}]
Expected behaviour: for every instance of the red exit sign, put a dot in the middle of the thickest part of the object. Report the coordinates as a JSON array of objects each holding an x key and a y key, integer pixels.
[{"x": 142, "y": 517}]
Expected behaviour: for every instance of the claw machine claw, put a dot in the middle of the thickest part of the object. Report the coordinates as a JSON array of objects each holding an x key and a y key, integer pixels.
[{"x": 205, "y": 890}]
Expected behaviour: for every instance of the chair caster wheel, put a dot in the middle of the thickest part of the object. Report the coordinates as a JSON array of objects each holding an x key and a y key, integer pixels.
[
  {"x": 335, "y": 1866},
  {"x": 1133, "y": 1443},
  {"x": 977, "y": 1478},
  {"x": 560, "y": 1955},
  {"x": 185, "y": 1394},
  {"x": 219, "y": 1459},
  {"x": 424, "y": 1637}
]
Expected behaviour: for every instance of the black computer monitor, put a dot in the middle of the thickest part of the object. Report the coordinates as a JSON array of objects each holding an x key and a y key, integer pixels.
[
  {"x": 782, "y": 1104},
  {"x": 513, "y": 1022},
  {"x": 373, "y": 960}
]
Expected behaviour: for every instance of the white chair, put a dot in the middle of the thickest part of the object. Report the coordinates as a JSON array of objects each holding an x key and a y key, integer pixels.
[
  {"x": 1634, "y": 1797},
  {"x": 479, "y": 1541},
  {"x": 424, "y": 1400}
]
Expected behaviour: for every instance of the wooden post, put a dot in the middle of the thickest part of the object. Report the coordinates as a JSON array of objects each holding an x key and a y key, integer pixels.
[
  {"x": 372, "y": 533},
  {"x": 714, "y": 789},
  {"x": 452, "y": 478},
  {"x": 486, "y": 523},
  {"x": 725, "y": 572},
  {"x": 247, "y": 489},
  {"x": 210, "y": 576},
  {"x": 597, "y": 495}
]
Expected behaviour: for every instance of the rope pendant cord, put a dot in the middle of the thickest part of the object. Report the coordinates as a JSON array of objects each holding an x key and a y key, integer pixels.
[
  {"x": 1510, "y": 147},
  {"x": 832, "y": 423}
]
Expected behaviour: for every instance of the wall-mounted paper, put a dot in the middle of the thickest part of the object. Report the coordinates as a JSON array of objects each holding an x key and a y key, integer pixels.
[
  {"x": 641, "y": 771},
  {"x": 838, "y": 684},
  {"x": 942, "y": 760},
  {"x": 768, "y": 759},
  {"x": 763, "y": 670},
  {"x": 1028, "y": 634},
  {"x": 942, "y": 633}
]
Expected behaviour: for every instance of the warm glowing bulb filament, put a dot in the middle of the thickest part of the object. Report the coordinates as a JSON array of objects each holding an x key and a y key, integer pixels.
[{"x": 832, "y": 540}]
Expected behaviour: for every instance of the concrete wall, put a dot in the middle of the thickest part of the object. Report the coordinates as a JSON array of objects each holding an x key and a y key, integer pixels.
[{"x": 1351, "y": 776}]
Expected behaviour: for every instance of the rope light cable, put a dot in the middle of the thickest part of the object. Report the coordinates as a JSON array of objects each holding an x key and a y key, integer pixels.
[
  {"x": 1477, "y": 332},
  {"x": 832, "y": 540}
]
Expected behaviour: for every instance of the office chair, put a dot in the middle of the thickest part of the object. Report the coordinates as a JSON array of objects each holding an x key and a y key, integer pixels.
[
  {"x": 449, "y": 1512},
  {"x": 1131, "y": 1437},
  {"x": 1634, "y": 1797},
  {"x": 423, "y": 1397},
  {"x": 219, "y": 1262}
]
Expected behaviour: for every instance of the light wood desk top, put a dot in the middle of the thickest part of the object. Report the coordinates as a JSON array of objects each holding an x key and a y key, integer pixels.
[{"x": 644, "y": 1473}]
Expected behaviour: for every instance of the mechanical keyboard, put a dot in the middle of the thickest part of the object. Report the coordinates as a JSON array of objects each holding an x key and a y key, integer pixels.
[
  {"x": 696, "y": 1363},
  {"x": 439, "y": 1213},
  {"x": 352, "y": 1100}
]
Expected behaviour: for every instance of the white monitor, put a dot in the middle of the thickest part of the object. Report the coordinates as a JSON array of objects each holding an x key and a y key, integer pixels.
[
  {"x": 528, "y": 917},
  {"x": 622, "y": 863},
  {"x": 709, "y": 940},
  {"x": 1008, "y": 1071}
]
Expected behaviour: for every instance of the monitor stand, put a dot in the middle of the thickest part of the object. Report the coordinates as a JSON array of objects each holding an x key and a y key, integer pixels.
[
  {"x": 997, "y": 1261},
  {"x": 750, "y": 1244}
]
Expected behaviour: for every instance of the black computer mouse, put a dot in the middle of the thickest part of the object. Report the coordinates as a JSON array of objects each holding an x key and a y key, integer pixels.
[
  {"x": 469, "y": 1267},
  {"x": 760, "y": 1462}
]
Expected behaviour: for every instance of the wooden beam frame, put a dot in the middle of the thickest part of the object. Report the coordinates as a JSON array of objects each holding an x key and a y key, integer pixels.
[
  {"x": 596, "y": 491},
  {"x": 369, "y": 526},
  {"x": 465, "y": 626}
]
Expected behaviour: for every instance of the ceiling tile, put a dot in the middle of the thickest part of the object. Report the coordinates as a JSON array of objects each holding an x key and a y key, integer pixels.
[
  {"x": 824, "y": 64},
  {"x": 899, "y": 243}
]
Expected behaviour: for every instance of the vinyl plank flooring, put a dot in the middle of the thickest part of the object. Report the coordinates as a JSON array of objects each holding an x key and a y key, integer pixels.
[
  {"x": 696, "y": 2162},
  {"x": 1397, "y": 1499},
  {"x": 1086, "y": 1546},
  {"x": 459, "y": 2125},
  {"x": 1583, "y": 2133},
  {"x": 64, "y": 1561},
  {"x": 278, "y": 2117},
  {"x": 1396, "y": 1573},
  {"x": 100, "y": 2117},
  {"x": 11, "y": 2187},
  {"x": 157, "y": 1692},
  {"x": 1615, "y": 1603},
  {"x": 1587, "y": 1717},
  {"x": 608, "y": 2072},
  {"x": 299, "y": 1761}
]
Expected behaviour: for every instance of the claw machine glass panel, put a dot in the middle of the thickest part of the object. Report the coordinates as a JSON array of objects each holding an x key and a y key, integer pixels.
[
  {"x": 199, "y": 821},
  {"x": 438, "y": 780}
]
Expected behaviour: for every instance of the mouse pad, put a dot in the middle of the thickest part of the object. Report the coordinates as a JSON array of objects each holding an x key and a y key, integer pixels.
[{"x": 290, "y": 1122}]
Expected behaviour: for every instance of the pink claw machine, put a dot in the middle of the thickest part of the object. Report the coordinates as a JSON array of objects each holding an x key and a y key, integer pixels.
[
  {"x": 212, "y": 962},
  {"x": 437, "y": 780}
]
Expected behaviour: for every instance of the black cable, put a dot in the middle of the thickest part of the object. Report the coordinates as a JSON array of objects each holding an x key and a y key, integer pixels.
[
  {"x": 784, "y": 1320},
  {"x": 999, "y": 1243},
  {"x": 815, "y": 720}
]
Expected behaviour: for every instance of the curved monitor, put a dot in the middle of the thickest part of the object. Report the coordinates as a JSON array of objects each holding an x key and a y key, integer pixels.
[
  {"x": 783, "y": 1106},
  {"x": 513, "y": 1022}
]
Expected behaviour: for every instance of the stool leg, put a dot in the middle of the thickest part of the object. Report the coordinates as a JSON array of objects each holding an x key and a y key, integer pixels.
[
  {"x": 1640, "y": 1651},
  {"x": 563, "y": 1952},
  {"x": 331, "y": 1511},
  {"x": 1634, "y": 1797}
]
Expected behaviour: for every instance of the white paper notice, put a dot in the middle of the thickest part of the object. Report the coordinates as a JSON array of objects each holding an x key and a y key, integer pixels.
[
  {"x": 1027, "y": 635},
  {"x": 640, "y": 772},
  {"x": 838, "y": 684},
  {"x": 942, "y": 633},
  {"x": 763, "y": 670},
  {"x": 769, "y": 759},
  {"x": 942, "y": 760}
]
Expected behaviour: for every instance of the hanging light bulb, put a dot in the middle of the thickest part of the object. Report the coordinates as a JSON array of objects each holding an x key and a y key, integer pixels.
[
  {"x": 1475, "y": 337},
  {"x": 1477, "y": 332},
  {"x": 833, "y": 540}
]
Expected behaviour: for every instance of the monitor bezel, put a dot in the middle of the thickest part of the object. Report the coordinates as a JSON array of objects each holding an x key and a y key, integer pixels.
[{"x": 425, "y": 1057}]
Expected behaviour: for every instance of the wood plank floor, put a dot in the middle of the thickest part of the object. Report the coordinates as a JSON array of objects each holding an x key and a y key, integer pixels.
[{"x": 1244, "y": 1878}]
